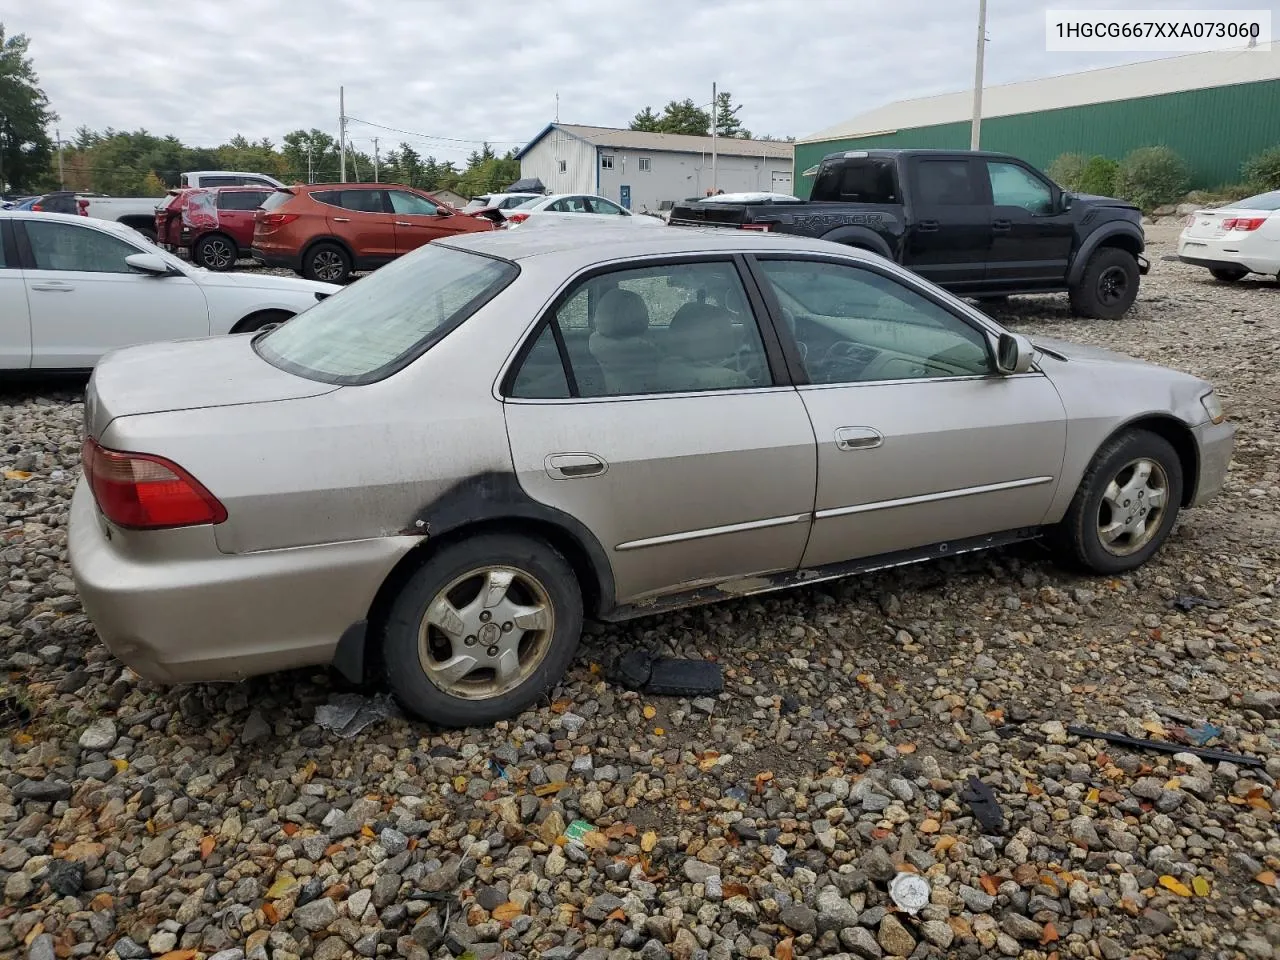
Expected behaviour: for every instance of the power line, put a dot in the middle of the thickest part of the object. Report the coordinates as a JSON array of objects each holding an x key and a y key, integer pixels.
[{"x": 427, "y": 136}]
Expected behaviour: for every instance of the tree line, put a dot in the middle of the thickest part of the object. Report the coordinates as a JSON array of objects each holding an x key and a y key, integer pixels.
[{"x": 686, "y": 117}]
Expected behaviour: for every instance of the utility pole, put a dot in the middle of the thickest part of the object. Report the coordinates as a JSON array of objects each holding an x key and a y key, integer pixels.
[
  {"x": 62, "y": 180},
  {"x": 714, "y": 134},
  {"x": 310, "y": 176},
  {"x": 975, "y": 132},
  {"x": 342, "y": 132},
  {"x": 375, "y": 160}
]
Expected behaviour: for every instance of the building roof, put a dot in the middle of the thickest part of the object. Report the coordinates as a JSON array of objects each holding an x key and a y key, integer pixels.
[
  {"x": 665, "y": 142},
  {"x": 1218, "y": 68}
]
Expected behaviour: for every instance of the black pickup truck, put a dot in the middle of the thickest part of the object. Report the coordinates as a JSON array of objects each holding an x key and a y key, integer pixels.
[{"x": 982, "y": 225}]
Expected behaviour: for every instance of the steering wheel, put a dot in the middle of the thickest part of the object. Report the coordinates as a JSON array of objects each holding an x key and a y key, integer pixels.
[
  {"x": 845, "y": 360},
  {"x": 747, "y": 362}
]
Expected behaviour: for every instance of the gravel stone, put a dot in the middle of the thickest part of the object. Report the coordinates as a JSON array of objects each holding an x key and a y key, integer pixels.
[
  {"x": 99, "y": 736},
  {"x": 894, "y": 937}
]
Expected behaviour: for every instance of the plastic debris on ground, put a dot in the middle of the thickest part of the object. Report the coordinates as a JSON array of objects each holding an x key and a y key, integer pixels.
[
  {"x": 982, "y": 800},
  {"x": 910, "y": 892},
  {"x": 346, "y": 714},
  {"x": 577, "y": 830},
  {"x": 1162, "y": 746},
  {"x": 669, "y": 676}
]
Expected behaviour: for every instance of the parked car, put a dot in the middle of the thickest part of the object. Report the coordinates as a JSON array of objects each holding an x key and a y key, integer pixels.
[
  {"x": 73, "y": 288},
  {"x": 1236, "y": 240},
  {"x": 214, "y": 223},
  {"x": 492, "y": 204},
  {"x": 140, "y": 212},
  {"x": 60, "y": 201},
  {"x": 326, "y": 230},
  {"x": 448, "y": 465},
  {"x": 979, "y": 224},
  {"x": 572, "y": 208}
]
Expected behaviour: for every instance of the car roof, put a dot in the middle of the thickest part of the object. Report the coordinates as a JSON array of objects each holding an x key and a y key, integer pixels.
[
  {"x": 111, "y": 226},
  {"x": 609, "y": 240}
]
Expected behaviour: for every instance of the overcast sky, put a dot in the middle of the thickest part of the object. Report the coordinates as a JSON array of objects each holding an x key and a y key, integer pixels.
[{"x": 491, "y": 69}]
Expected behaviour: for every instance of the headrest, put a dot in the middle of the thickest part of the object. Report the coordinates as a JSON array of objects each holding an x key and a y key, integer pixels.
[
  {"x": 700, "y": 331},
  {"x": 622, "y": 313}
]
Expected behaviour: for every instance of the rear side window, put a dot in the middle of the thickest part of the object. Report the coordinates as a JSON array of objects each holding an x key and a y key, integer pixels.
[
  {"x": 373, "y": 328},
  {"x": 361, "y": 201},
  {"x": 858, "y": 181},
  {"x": 277, "y": 199},
  {"x": 946, "y": 183},
  {"x": 241, "y": 199},
  {"x": 221, "y": 181}
]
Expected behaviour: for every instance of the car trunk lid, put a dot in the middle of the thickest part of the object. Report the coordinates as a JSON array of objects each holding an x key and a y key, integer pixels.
[
  {"x": 1207, "y": 224},
  {"x": 187, "y": 375}
]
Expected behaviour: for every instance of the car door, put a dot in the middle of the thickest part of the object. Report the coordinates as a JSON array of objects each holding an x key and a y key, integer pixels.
[
  {"x": 419, "y": 220},
  {"x": 15, "y": 317},
  {"x": 920, "y": 442},
  {"x": 1031, "y": 235},
  {"x": 646, "y": 406},
  {"x": 236, "y": 212},
  {"x": 85, "y": 299},
  {"x": 949, "y": 227},
  {"x": 362, "y": 216}
]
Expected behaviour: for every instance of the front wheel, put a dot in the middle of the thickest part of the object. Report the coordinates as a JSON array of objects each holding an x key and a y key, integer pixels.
[
  {"x": 1125, "y": 507},
  {"x": 482, "y": 630},
  {"x": 327, "y": 262},
  {"x": 1109, "y": 285},
  {"x": 1227, "y": 274}
]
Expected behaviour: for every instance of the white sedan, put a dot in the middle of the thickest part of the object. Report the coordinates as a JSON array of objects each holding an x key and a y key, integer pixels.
[
  {"x": 73, "y": 288},
  {"x": 1235, "y": 240},
  {"x": 571, "y": 207}
]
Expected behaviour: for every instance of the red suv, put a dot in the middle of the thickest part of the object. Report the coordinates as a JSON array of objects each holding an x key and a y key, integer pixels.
[
  {"x": 214, "y": 223},
  {"x": 326, "y": 230}
]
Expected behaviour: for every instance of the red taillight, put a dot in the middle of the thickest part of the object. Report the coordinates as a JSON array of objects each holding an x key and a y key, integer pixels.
[
  {"x": 36, "y": 206},
  {"x": 84, "y": 207},
  {"x": 1243, "y": 223},
  {"x": 761, "y": 227},
  {"x": 276, "y": 219},
  {"x": 144, "y": 492},
  {"x": 517, "y": 218}
]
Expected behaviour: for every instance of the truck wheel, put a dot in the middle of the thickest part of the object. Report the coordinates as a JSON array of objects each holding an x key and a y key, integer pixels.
[
  {"x": 1228, "y": 274},
  {"x": 1108, "y": 286},
  {"x": 327, "y": 262},
  {"x": 216, "y": 252}
]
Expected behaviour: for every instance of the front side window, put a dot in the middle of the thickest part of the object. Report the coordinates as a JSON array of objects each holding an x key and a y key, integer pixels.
[
  {"x": 945, "y": 183},
  {"x": 570, "y": 205},
  {"x": 670, "y": 328},
  {"x": 853, "y": 325},
  {"x": 1014, "y": 186},
  {"x": 66, "y": 246},
  {"x": 410, "y": 204},
  {"x": 389, "y": 318},
  {"x": 599, "y": 205}
]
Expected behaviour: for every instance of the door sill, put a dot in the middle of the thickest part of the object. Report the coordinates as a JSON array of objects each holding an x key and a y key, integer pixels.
[{"x": 749, "y": 586}]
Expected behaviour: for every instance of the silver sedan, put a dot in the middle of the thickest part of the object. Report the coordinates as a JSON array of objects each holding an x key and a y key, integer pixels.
[{"x": 435, "y": 475}]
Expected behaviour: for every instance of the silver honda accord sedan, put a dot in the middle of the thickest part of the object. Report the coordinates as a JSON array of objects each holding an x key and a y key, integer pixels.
[{"x": 436, "y": 474}]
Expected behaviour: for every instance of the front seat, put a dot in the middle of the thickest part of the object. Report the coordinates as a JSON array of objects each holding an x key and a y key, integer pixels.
[
  {"x": 621, "y": 345},
  {"x": 700, "y": 340}
]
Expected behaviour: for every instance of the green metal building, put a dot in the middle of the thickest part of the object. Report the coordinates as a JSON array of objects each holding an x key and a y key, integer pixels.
[{"x": 1216, "y": 109}]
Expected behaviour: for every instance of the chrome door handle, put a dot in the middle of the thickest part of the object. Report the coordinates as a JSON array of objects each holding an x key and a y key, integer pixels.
[
  {"x": 403, "y": 223},
  {"x": 571, "y": 466},
  {"x": 341, "y": 219},
  {"x": 53, "y": 286},
  {"x": 858, "y": 438}
]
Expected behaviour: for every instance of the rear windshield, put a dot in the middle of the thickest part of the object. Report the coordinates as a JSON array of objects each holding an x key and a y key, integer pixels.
[
  {"x": 277, "y": 199},
  {"x": 389, "y": 318},
  {"x": 1263, "y": 201}
]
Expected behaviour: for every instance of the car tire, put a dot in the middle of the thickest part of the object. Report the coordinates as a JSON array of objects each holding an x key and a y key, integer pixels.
[
  {"x": 520, "y": 573},
  {"x": 328, "y": 263},
  {"x": 215, "y": 251},
  {"x": 1087, "y": 539},
  {"x": 1228, "y": 274},
  {"x": 1109, "y": 285},
  {"x": 260, "y": 321}
]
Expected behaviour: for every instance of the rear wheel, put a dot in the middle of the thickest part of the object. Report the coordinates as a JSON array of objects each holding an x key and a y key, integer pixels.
[
  {"x": 1125, "y": 507},
  {"x": 215, "y": 251},
  {"x": 261, "y": 321},
  {"x": 1108, "y": 286},
  {"x": 482, "y": 630},
  {"x": 327, "y": 262},
  {"x": 1227, "y": 274}
]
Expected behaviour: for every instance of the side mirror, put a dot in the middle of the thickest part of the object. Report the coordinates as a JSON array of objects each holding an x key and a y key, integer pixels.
[
  {"x": 1013, "y": 354},
  {"x": 1064, "y": 202},
  {"x": 149, "y": 263}
]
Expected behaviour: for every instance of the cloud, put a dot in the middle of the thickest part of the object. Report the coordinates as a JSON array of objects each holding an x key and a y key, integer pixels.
[{"x": 491, "y": 69}]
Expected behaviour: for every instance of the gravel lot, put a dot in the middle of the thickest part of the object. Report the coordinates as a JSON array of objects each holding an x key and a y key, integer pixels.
[{"x": 223, "y": 821}]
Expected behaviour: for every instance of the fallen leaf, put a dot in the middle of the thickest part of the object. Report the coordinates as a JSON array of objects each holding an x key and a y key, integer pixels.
[
  {"x": 989, "y": 884},
  {"x": 650, "y": 712},
  {"x": 290, "y": 829},
  {"x": 1156, "y": 728},
  {"x": 865, "y": 678},
  {"x": 1254, "y": 793},
  {"x": 709, "y": 761},
  {"x": 906, "y": 748},
  {"x": 732, "y": 889},
  {"x": 785, "y": 950},
  {"x": 17, "y": 475},
  {"x": 619, "y": 914},
  {"x": 944, "y": 844},
  {"x": 1050, "y": 933},
  {"x": 1200, "y": 885},
  {"x": 879, "y": 833},
  {"x": 561, "y": 706},
  {"x": 1268, "y": 877},
  {"x": 506, "y": 912},
  {"x": 547, "y": 789},
  {"x": 763, "y": 777},
  {"x": 996, "y": 716},
  {"x": 33, "y": 933},
  {"x": 1258, "y": 803},
  {"x": 1173, "y": 884},
  {"x": 595, "y": 840},
  {"x": 648, "y": 841},
  {"x": 179, "y": 955},
  {"x": 23, "y": 739},
  {"x": 865, "y": 759},
  {"x": 1034, "y": 789},
  {"x": 460, "y": 784},
  {"x": 658, "y": 731},
  {"x": 930, "y": 826},
  {"x": 284, "y": 884},
  {"x": 269, "y": 911},
  {"x": 960, "y": 926},
  {"x": 595, "y": 668},
  {"x": 206, "y": 847},
  {"x": 103, "y": 901},
  {"x": 1092, "y": 795}
]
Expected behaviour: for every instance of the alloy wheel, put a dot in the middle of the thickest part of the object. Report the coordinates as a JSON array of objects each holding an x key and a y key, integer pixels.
[
  {"x": 1133, "y": 507},
  {"x": 327, "y": 265}
]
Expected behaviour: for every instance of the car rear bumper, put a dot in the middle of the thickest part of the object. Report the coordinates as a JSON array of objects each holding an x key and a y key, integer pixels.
[
  {"x": 1215, "y": 442},
  {"x": 176, "y": 610},
  {"x": 1219, "y": 255},
  {"x": 270, "y": 258}
]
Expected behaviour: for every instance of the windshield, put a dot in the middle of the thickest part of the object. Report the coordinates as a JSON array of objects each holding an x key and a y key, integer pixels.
[
  {"x": 387, "y": 319},
  {"x": 1263, "y": 201}
]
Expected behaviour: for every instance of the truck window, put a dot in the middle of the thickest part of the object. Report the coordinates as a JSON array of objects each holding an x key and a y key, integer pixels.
[
  {"x": 945, "y": 182},
  {"x": 1014, "y": 186},
  {"x": 857, "y": 181}
]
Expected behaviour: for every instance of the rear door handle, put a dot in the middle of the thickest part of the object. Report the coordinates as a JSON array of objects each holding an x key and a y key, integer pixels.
[
  {"x": 1002, "y": 225},
  {"x": 572, "y": 466},
  {"x": 403, "y": 223},
  {"x": 53, "y": 286},
  {"x": 341, "y": 219},
  {"x": 927, "y": 226},
  {"x": 858, "y": 438}
]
